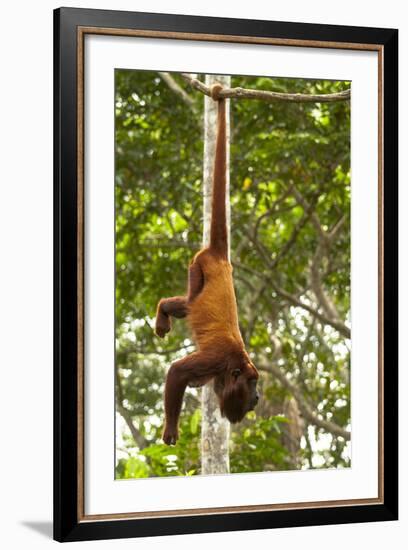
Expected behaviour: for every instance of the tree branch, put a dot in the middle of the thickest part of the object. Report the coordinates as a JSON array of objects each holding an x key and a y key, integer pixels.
[
  {"x": 305, "y": 409},
  {"x": 317, "y": 285},
  {"x": 272, "y": 264},
  {"x": 178, "y": 90},
  {"x": 332, "y": 234},
  {"x": 265, "y": 95},
  {"x": 139, "y": 439},
  {"x": 342, "y": 328},
  {"x": 326, "y": 238},
  {"x": 273, "y": 210},
  {"x": 309, "y": 208}
]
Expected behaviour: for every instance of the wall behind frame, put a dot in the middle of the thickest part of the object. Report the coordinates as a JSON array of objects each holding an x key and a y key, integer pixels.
[{"x": 26, "y": 275}]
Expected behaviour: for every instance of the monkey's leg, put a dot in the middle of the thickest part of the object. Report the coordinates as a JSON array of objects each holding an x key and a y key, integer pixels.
[
  {"x": 195, "y": 369},
  {"x": 175, "y": 307}
]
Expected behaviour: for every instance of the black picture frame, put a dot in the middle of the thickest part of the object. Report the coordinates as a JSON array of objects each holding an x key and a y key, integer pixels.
[{"x": 67, "y": 523}]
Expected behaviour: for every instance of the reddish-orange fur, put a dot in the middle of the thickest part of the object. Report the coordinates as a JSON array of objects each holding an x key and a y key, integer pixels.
[{"x": 211, "y": 311}]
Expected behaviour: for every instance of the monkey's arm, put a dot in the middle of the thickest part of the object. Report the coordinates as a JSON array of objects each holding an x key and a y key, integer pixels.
[
  {"x": 195, "y": 281},
  {"x": 175, "y": 307},
  {"x": 195, "y": 369}
]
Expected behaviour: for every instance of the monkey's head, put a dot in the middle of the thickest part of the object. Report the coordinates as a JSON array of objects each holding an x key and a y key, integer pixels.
[{"x": 236, "y": 388}]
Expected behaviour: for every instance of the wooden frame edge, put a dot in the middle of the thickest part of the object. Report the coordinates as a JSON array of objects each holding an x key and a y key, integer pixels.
[
  {"x": 81, "y": 32},
  {"x": 196, "y": 36},
  {"x": 380, "y": 222},
  {"x": 80, "y": 274},
  {"x": 189, "y": 512}
]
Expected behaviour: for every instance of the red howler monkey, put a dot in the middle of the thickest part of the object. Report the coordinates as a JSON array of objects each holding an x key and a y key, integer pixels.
[{"x": 211, "y": 311}]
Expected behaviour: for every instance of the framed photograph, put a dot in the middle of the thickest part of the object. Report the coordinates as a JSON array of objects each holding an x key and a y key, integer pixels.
[{"x": 225, "y": 274}]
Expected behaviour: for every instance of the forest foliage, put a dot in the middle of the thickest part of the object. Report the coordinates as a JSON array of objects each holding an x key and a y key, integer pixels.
[{"x": 290, "y": 248}]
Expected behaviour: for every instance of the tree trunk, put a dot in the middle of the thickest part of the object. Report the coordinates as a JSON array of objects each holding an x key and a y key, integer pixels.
[{"x": 214, "y": 429}]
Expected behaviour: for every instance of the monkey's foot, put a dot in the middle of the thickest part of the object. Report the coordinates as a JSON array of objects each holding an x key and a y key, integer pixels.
[{"x": 170, "y": 436}]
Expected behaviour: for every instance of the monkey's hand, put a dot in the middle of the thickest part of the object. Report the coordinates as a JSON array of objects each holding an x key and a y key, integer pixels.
[
  {"x": 163, "y": 325},
  {"x": 170, "y": 435}
]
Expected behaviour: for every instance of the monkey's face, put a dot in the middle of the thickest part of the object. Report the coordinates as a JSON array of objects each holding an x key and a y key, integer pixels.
[
  {"x": 253, "y": 394},
  {"x": 237, "y": 390}
]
